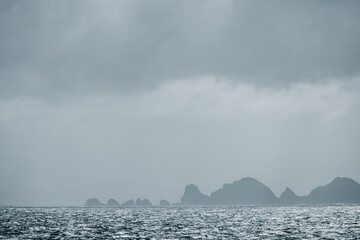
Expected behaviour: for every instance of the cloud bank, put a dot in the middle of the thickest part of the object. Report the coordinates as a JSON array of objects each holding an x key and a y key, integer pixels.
[{"x": 133, "y": 45}]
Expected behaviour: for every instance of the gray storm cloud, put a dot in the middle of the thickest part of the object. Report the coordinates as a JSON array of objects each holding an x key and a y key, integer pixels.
[
  {"x": 136, "y": 44},
  {"x": 130, "y": 99}
]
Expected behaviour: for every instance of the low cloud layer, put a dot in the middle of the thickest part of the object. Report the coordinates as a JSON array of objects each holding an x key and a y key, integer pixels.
[{"x": 206, "y": 131}]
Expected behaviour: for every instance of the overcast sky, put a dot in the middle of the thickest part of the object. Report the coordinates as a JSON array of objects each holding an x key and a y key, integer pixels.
[{"x": 128, "y": 99}]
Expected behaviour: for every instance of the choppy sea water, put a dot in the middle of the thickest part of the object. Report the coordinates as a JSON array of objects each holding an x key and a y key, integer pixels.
[{"x": 324, "y": 222}]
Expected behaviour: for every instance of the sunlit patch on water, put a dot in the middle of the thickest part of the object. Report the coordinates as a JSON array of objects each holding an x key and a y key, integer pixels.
[{"x": 328, "y": 222}]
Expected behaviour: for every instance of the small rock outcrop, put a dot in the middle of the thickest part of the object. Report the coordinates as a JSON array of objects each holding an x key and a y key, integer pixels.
[
  {"x": 143, "y": 203},
  {"x": 138, "y": 202},
  {"x": 193, "y": 196},
  {"x": 129, "y": 203},
  {"x": 93, "y": 202},
  {"x": 164, "y": 203},
  {"x": 113, "y": 203},
  {"x": 146, "y": 203},
  {"x": 288, "y": 197}
]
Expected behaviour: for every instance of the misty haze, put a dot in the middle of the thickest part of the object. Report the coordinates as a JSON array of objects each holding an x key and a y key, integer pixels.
[{"x": 179, "y": 110}]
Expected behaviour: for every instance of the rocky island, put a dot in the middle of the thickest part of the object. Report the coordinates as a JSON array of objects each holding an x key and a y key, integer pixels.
[
  {"x": 94, "y": 202},
  {"x": 113, "y": 203},
  {"x": 249, "y": 191}
]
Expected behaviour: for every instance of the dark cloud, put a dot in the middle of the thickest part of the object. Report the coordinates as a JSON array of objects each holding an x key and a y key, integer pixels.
[{"x": 136, "y": 44}]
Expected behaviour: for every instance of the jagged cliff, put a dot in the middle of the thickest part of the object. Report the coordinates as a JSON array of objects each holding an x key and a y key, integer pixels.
[{"x": 249, "y": 191}]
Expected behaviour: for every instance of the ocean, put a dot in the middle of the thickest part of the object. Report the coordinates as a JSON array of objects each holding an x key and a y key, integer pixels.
[{"x": 235, "y": 222}]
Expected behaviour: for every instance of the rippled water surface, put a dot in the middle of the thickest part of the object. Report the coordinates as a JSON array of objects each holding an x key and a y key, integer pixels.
[{"x": 327, "y": 222}]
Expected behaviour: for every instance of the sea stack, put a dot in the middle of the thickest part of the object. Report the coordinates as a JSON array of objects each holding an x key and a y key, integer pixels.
[
  {"x": 193, "y": 196},
  {"x": 288, "y": 197},
  {"x": 93, "y": 202},
  {"x": 143, "y": 203},
  {"x": 164, "y": 203},
  {"x": 113, "y": 203},
  {"x": 129, "y": 203}
]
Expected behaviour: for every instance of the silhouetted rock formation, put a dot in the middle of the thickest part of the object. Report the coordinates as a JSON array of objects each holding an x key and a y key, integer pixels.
[
  {"x": 94, "y": 202},
  {"x": 113, "y": 203},
  {"x": 129, "y": 203},
  {"x": 138, "y": 202},
  {"x": 146, "y": 203},
  {"x": 143, "y": 203},
  {"x": 340, "y": 190},
  {"x": 288, "y": 197},
  {"x": 247, "y": 191},
  {"x": 192, "y": 196},
  {"x": 164, "y": 203}
]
